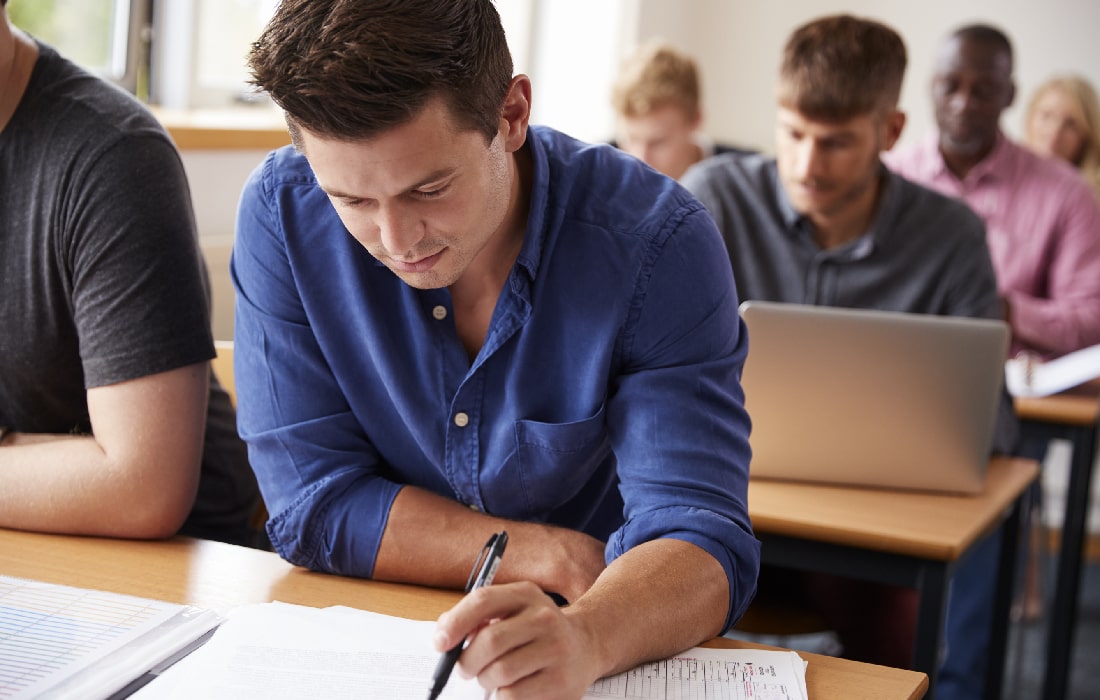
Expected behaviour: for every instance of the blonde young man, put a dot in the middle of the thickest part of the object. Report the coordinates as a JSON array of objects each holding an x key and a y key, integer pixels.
[{"x": 658, "y": 105}]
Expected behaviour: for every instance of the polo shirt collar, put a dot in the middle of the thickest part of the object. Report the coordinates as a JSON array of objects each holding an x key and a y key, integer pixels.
[{"x": 796, "y": 225}]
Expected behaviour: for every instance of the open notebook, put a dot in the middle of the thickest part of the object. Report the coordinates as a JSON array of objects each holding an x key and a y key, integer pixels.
[{"x": 872, "y": 398}]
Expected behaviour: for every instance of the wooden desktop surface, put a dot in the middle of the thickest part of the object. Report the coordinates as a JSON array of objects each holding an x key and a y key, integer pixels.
[
  {"x": 220, "y": 576},
  {"x": 926, "y": 525},
  {"x": 1078, "y": 406}
]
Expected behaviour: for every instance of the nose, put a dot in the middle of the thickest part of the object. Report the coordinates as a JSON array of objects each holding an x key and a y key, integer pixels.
[
  {"x": 961, "y": 101},
  {"x": 807, "y": 160},
  {"x": 398, "y": 231}
]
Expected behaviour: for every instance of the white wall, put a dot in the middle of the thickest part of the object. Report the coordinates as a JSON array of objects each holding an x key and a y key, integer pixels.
[
  {"x": 216, "y": 179},
  {"x": 739, "y": 42}
]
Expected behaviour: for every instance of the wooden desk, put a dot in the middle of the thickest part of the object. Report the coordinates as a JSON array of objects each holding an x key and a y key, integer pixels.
[
  {"x": 220, "y": 577},
  {"x": 901, "y": 538},
  {"x": 1074, "y": 416}
]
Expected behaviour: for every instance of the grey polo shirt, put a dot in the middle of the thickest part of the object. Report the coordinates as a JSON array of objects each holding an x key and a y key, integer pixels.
[{"x": 924, "y": 252}]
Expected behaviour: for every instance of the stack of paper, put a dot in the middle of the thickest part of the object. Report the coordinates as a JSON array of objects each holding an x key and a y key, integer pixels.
[
  {"x": 59, "y": 641},
  {"x": 1028, "y": 375},
  {"x": 275, "y": 651}
]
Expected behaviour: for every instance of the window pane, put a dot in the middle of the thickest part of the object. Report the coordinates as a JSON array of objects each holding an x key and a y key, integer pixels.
[
  {"x": 224, "y": 34},
  {"x": 83, "y": 30}
]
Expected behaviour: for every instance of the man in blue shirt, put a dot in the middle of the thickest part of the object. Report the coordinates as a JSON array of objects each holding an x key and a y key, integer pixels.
[{"x": 449, "y": 323}]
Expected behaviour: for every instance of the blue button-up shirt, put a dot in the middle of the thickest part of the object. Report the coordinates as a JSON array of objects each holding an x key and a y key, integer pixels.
[{"x": 606, "y": 397}]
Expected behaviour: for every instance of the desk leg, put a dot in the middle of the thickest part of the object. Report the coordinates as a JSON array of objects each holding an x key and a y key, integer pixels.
[
  {"x": 1002, "y": 602},
  {"x": 1064, "y": 614},
  {"x": 930, "y": 617}
]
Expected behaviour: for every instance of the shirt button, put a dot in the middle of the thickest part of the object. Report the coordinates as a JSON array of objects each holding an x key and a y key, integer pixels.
[
  {"x": 475, "y": 508},
  {"x": 439, "y": 312},
  {"x": 462, "y": 420}
]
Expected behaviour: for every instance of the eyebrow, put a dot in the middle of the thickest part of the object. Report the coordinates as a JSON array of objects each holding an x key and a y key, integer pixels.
[{"x": 431, "y": 177}]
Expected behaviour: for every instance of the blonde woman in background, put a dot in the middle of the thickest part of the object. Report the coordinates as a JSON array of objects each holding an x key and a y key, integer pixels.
[{"x": 1063, "y": 121}]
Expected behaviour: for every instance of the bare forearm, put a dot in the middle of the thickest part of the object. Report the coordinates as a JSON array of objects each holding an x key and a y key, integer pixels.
[
  {"x": 66, "y": 483},
  {"x": 656, "y": 600},
  {"x": 137, "y": 476},
  {"x": 433, "y": 541}
]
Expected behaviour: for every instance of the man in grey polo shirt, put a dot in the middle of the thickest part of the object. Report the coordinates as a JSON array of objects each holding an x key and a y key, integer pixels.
[{"x": 826, "y": 223}]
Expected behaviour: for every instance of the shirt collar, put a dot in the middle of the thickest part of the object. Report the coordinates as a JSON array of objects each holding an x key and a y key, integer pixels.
[
  {"x": 992, "y": 167},
  {"x": 860, "y": 247},
  {"x": 530, "y": 253}
]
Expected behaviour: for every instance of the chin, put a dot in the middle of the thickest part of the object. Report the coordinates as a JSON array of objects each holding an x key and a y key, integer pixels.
[{"x": 964, "y": 147}]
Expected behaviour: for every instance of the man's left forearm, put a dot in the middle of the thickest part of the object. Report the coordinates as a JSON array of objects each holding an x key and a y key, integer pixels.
[{"x": 654, "y": 601}]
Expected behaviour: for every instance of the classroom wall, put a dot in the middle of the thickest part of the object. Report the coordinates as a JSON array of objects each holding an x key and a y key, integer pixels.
[
  {"x": 739, "y": 42},
  {"x": 216, "y": 178}
]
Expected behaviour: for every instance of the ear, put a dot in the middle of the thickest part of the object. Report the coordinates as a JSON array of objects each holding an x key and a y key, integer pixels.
[
  {"x": 516, "y": 113},
  {"x": 893, "y": 125},
  {"x": 696, "y": 122},
  {"x": 1011, "y": 94}
]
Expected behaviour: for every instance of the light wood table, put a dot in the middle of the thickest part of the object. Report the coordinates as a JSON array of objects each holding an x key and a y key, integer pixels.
[
  {"x": 220, "y": 577},
  {"x": 902, "y": 538},
  {"x": 1074, "y": 416}
]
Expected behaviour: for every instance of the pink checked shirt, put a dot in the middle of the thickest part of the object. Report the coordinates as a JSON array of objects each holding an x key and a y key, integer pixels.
[{"x": 1043, "y": 228}]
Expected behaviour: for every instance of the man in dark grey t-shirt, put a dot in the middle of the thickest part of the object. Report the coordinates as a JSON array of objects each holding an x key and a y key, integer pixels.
[
  {"x": 826, "y": 223},
  {"x": 109, "y": 421}
]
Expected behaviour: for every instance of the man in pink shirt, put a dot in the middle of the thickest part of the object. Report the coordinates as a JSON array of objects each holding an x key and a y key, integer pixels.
[
  {"x": 1042, "y": 221},
  {"x": 1043, "y": 229}
]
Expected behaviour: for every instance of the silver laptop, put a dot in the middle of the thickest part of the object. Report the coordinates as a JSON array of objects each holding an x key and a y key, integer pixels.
[{"x": 872, "y": 398}]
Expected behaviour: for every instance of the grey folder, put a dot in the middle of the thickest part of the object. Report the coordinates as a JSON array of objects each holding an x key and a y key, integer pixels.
[{"x": 872, "y": 398}]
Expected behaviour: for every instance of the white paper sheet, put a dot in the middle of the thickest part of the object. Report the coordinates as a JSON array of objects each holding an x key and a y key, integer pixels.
[
  {"x": 1029, "y": 376},
  {"x": 276, "y": 651}
]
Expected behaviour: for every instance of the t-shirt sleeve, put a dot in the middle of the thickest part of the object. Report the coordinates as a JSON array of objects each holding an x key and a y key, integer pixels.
[{"x": 139, "y": 296}]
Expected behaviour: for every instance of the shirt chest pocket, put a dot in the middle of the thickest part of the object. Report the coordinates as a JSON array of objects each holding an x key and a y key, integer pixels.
[{"x": 554, "y": 461}]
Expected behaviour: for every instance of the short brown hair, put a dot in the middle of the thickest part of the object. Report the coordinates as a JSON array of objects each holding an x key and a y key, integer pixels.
[
  {"x": 654, "y": 76},
  {"x": 839, "y": 67},
  {"x": 351, "y": 69}
]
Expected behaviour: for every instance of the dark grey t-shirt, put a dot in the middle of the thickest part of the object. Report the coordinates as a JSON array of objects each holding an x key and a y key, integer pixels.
[
  {"x": 924, "y": 253},
  {"x": 100, "y": 273}
]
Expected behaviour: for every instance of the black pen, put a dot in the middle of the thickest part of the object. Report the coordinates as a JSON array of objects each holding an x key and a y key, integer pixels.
[{"x": 485, "y": 568}]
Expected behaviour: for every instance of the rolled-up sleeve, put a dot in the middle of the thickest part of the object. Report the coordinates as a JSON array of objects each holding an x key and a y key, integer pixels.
[
  {"x": 319, "y": 474},
  {"x": 677, "y": 418}
]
